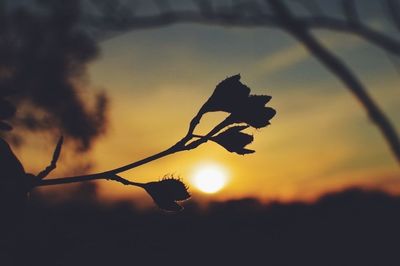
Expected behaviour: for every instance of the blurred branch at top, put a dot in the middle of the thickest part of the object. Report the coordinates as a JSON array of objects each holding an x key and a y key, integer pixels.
[{"x": 108, "y": 18}]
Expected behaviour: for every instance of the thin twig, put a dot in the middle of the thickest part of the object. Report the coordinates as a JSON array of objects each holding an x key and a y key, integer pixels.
[
  {"x": 394, "y": 12},
  {"x": 110, "y": 173},
  {"x": 377, "y": 38},
  {"x": 53, "y": 163},
  {"x": 181, "y": 145},
  {"x": 228, "y": 121},
  {"x": 124, "y": 181},
  {"x": 350, "y": 11}
]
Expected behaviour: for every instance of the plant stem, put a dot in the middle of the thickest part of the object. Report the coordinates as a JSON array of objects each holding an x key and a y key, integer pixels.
[
  {"x": 110, "y": 174},
  {"x": 113, "y": 174}
]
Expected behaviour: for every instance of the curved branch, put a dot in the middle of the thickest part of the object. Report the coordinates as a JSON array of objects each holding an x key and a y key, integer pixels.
[
  {"x": 339, "y": 68},
  {"x": 394, "y": 12},
  {"x": 336, "y": 66},
  {"x": 377, "y": 38},
  {"x": 350, "y": 11},
  {"x": 112, "y": 28}
]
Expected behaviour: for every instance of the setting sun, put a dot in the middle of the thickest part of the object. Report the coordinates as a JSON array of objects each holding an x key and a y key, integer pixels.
[{"x": 209, "y": 178}]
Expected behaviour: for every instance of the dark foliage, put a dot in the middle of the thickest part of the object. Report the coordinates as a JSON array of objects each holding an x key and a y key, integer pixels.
[
  {"x": 348, "y": 228},
  {"x": 43, "y": 58},
  {"x": 13, "y": 198}
]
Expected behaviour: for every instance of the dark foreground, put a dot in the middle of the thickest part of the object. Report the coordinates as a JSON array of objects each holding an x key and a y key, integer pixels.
[{"x": 349, "y": 228}]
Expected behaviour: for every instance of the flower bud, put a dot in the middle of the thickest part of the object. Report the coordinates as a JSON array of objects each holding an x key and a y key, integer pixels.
[
  {"x": 167, "y": 192},
  {"x": 234, "y": 140}
]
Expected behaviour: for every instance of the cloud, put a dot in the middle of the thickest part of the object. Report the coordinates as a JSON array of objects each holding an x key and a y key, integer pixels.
[{"x": 297, "y": 53}]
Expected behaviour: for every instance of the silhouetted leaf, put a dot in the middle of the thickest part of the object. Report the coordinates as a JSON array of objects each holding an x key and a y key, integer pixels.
[
  {"x": 234, "y": 97},
  {"x": 228, "y": 95},
  {"x": 259, "y": 100},
  {"x": 57, "y": 150},
  {"x": 234, "y": 140},
  {"x": 254, "y": 115},
  {"x": 167, "y": 192},
  {"x": 53, "y": 163}
]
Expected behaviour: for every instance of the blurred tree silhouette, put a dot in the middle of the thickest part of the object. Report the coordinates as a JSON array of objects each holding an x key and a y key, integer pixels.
[
  {"x": 43, "y": 64},
  {"x": 112, "y": 18}
]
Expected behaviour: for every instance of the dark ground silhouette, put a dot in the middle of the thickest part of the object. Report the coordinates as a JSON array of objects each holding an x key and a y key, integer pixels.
[{"x": 353, "y": 227}]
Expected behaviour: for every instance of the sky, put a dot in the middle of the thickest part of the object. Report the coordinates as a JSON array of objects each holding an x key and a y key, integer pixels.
[{"x": 320, "y": 140}]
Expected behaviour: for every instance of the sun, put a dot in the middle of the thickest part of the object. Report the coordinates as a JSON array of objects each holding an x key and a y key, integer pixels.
[{"x": 209, "y": 178}]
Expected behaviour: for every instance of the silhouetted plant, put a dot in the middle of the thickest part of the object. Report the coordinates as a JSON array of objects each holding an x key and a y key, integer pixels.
[{"x": 231, "y": 96}]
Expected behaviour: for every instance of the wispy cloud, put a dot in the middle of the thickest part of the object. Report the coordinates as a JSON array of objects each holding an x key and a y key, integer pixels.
[{"x": 294, "y": 54}]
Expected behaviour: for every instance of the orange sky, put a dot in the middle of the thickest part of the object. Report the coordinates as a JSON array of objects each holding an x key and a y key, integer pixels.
[{"x": 320, "y": 140}]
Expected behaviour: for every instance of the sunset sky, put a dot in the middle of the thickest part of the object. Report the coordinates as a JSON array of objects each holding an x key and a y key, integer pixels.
[{"x": 320, "y": 140}]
